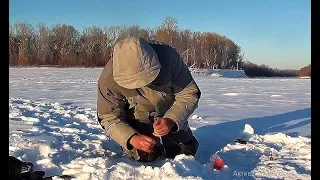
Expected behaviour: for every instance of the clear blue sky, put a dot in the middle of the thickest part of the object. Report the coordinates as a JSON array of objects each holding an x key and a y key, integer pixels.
[{"x": 272, "y": 32}]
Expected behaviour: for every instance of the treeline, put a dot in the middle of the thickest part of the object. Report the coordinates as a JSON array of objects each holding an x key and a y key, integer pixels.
[
  {"x": 63, "y": 45},
  {"x": 254, "y": 70}
]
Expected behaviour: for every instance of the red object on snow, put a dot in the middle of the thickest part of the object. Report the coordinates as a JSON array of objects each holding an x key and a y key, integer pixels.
[
  {"x": 217, "y": 162},
  {"x": 271, "y": 158}
]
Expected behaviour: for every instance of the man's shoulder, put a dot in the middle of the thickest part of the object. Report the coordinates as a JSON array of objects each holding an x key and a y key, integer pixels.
[
  {"x": 106, "y": 74},
  {"x": 159, "y": 45},
  {"x": 163, "y": 49},
  {"x": 156, "y": 42},
  {"x": 106, "y": 80}
]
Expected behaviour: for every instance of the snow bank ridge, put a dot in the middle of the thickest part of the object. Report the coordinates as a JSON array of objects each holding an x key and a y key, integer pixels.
[{"x": 227, "y": 73}]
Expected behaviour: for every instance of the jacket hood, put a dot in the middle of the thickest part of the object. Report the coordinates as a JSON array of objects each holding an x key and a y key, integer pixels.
[{"x": 135, "y": 63}]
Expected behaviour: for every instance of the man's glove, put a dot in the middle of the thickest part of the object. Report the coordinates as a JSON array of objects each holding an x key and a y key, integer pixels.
[
  {"x": 163, "y": 126},
  {"x": 143, "y": 143}
]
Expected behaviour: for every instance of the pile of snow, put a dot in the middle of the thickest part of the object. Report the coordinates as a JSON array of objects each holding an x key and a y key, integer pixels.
[
  {"x": 291, "y": 157},
  {"x": 216, "y": 75},
  {"x": 247, "y": 133},
  {"x": 68, "y": 140},
  {"x": 228, "y": 73},
  {"x": 195, "y": 117}
]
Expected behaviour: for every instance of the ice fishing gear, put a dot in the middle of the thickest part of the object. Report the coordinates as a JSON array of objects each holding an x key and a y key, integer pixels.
[
  {"x": 181, "y": 145},
  {"x": 160, "y": 138},
  {"x": 217, "y": 161},
  {"x": 271, "y": 157}
]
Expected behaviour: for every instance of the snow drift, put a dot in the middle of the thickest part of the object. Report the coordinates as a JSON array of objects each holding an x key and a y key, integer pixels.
[
  {"x": 64, "y": 139},
  {"x": 52, "y": 124}
]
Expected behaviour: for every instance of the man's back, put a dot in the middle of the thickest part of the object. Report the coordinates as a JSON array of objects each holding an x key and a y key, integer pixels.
[{"x": 146, "y": 78}]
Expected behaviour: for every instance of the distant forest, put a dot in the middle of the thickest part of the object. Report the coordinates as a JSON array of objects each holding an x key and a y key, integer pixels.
[{"x": 62, "y": 45}]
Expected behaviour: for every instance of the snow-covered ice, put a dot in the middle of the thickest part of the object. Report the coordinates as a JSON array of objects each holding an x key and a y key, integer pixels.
[{"x": 52, "y": 123}]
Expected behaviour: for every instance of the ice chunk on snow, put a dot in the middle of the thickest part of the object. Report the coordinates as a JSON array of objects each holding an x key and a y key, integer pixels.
[
  {"x": 193, "y": 128},
  {"x": 275, "y": 95},
  {"x": 248, "y": 129},
  {"x": 247, "y": 133},
  {"x": 44, "y": 150},
  {"x": 196, "y": 117},
  {"x": 30, "y": 120},
  {"x": 216, "y": 75},
  {"x": 230, "y": 94}
]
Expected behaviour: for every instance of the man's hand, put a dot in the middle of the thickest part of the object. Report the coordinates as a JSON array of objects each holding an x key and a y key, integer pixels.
[
  {"x": 162, "y": 126},
  {"x": 143, "y": 143}
]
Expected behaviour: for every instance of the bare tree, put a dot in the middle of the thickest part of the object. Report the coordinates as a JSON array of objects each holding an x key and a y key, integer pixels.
[
  {"x": 168, "y": 31},
  {"x": 113, "y": 33},
  {"x": 63, "y": 43},
  {"x": 94, "y": 42},
  {"x": 42, "y": 44},
  {"x": 24, "y": 38}
]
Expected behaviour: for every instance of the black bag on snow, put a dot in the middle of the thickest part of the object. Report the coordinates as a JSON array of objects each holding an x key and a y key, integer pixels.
[{"x": 19, "y": 170}]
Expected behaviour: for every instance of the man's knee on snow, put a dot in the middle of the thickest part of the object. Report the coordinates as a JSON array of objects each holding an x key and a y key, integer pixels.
[
  {"x": 190, "y": 148},
  {"x": 175, "y": 148},
  {"x": 142, "y": 156}
]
